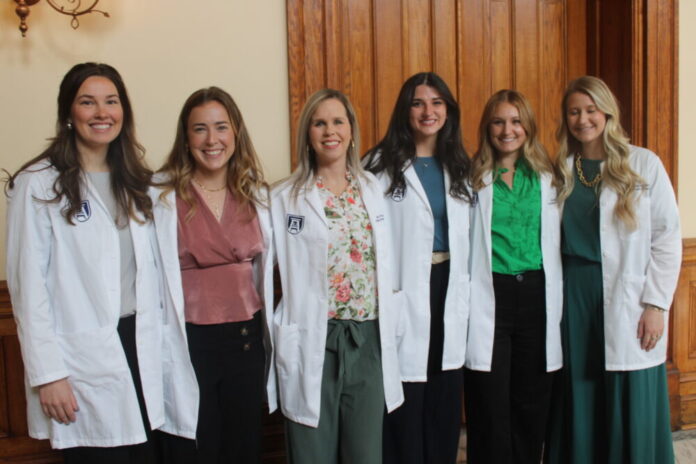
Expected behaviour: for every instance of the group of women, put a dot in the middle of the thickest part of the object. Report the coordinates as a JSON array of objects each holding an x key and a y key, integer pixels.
[{"x": 145, "y": 304}]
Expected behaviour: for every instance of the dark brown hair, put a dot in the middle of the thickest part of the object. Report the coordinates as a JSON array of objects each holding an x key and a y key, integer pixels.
[{"x": 130, "y": 178}]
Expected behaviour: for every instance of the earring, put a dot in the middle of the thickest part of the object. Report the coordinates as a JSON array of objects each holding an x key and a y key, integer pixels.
[
  {"x": 69, "y": 125},
  {"x": 352, "y": 144}
]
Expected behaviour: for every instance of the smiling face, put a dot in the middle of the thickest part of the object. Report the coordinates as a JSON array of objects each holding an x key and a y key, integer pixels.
[
  {"x": 96, "y": 114},
  {"x": 211, "y": 138},
  {"x": 330, "y": 132},
  {"x": 505, "y": 130},
  {"x": 428, "y": 113},
  {"x": 586, "y": 122}
]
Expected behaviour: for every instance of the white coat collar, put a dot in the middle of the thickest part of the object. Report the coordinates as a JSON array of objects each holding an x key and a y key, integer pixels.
[{"x": 414, "y": 183}]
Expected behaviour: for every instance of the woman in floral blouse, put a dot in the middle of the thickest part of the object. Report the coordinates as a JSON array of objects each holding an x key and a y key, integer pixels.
[{"x": 336, "y": 355}]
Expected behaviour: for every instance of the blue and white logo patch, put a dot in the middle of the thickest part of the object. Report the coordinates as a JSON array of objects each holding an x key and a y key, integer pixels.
[
  {"x": 398, "y": 194},
  {"x": 295, "y": 223},
  {"x": 85, "y": 212}
]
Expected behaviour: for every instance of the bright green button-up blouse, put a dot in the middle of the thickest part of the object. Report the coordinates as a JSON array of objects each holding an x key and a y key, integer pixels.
[{"x": 516, "y": 222}]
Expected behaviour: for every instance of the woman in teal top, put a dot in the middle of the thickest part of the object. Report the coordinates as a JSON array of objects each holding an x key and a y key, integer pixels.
[
  {"x": 621, "y": 259},
  {"x": 514, "y": 336}
]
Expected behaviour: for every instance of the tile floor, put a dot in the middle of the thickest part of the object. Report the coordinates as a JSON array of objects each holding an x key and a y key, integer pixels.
[{"x": 684, "y": 447}]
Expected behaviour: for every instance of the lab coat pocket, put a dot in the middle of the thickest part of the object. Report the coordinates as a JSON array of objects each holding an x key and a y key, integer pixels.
[
  {"x": 101, "y": 382},
  {"x": 95, "y": 356},
  {"x": 632, "y": 308},
  {"x": 399, "y": 305},
  {"x": 287, "y": 348}
]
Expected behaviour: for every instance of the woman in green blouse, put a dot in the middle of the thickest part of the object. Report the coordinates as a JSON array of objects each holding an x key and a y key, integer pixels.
[{"x": 516, "y": 300}]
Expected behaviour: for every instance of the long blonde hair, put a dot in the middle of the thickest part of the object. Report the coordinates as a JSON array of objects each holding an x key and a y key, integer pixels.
[
  {"x": 244, "y": 174},
  {"x": 616, "y": 173},
  {"x": 307, "y": 159},
  {"x": 532, "y": 150}
]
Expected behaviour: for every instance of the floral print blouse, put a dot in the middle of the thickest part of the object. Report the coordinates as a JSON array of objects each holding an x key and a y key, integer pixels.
[{"x": 352, "y": 269}]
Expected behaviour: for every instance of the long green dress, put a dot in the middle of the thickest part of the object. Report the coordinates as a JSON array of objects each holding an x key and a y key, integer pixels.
[{"x": 599, "y": 416}]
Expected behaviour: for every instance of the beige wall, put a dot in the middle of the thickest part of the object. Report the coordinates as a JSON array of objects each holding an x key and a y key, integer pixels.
[
  {"x": 687, "y": 116},
  {"x": 165, "y": 49}
]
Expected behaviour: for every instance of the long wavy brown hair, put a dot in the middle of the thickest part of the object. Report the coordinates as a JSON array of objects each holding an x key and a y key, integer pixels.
[
  {"x": 616, "y": 171},
  {"x": 244, "y": 174},
  {"x": 532, "y": 150},
  {"x": 397, "y": 150},
  {"x": 130, "y": 177}
]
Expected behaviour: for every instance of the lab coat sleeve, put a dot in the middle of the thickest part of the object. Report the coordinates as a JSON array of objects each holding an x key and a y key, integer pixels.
[
  {"x": 29, "y": 236},
  {"x": 665, "y": 239}
]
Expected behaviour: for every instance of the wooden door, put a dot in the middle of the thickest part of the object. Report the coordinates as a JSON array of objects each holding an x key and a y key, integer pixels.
[{"x": 367, "y": 48}]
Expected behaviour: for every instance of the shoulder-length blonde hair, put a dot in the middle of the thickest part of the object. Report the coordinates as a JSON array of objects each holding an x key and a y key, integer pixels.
[
  {"x": 616, "y": 172},
  {"x": 306, "y": 157},
  {"x": 244, "y": 174},
  {"x": 532, "y": 150}
]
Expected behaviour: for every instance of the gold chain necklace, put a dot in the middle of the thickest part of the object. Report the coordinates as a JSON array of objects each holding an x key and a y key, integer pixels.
[
  {"x": 581, "y": 174},
  {"x": 207, "y": 189},
  {"x": 214, "y": 206}
]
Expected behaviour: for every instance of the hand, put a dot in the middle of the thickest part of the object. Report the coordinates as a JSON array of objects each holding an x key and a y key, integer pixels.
[
  {"x": 58, "y": 402},
  {"x": 650, "y": 328}
]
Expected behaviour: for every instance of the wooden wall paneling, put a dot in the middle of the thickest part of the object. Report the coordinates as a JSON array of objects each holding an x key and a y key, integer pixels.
[
  {"x": 388, "y": 61},
  {"x": 553, "y": 46},
  {"x": 635, "y": 110},
  {"x": 661, "y": 82},
  {"x": 528, "y": 56},
  {"x": 501, "y": 38},
  {"x": 296, "y": 68},
  {"x": 474, "y": 65},
  {"x": 611, "y": 52},
  {"x": 17, "y": 407},
  {"x": 358, "y": 71},
  {"x": 683, "y": 341},
  {"x": 576, "y": 40},
  {"x": 4, "y": 410},
  {"x": 334, "y": 47},
  {"x": 417, "y": 38},
  {"x": 444, "y": 44},
  {"x": 15, "y": 444},
  {"x": 314, "y": 46}
]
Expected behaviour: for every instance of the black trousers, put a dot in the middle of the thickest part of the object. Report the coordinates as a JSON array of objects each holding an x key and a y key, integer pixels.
[
  {"x": 507, "y": 408},
  {"x": 229, "y": 360},
  {"x": 142, "y": 453},
  {"x": 425, "y": 429}
]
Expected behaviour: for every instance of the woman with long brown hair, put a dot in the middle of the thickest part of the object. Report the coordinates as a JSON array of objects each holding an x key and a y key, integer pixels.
[
  {"x": 423, "y": 170},
  {"x": 84, "y": 280},
  {"x": 214, "y": 232}
]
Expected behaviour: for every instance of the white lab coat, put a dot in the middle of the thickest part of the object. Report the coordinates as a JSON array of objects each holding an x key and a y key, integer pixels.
[
  {"x": 412, "y": 230},
  {"x": 482, "y": 315},
  {"x": 639, "y": 267},
  {"x": 64, "y": 281},
  {"x": 300, "y": 324},
  {"x": 166, "y": 225}
]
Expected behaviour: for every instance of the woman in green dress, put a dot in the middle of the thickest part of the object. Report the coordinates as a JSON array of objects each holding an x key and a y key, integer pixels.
[{"x": 621, "y": 250}]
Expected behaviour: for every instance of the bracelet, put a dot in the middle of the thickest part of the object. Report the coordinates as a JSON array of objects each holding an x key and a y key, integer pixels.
[{"x": 656, "y": 308}]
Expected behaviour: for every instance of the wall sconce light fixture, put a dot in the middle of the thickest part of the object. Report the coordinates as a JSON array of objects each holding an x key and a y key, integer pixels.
[{"x": 74, "y": 9}]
